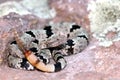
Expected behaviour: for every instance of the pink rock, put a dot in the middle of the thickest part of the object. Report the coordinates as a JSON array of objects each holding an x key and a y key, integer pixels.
[{"x": 94, "y": 63}]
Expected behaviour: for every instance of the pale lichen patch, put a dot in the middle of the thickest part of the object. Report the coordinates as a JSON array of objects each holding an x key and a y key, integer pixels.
[
  {"x": 12, "y": 6},
  {"x": 104, "y": 19},
  {"x": 39, "y": 8}
]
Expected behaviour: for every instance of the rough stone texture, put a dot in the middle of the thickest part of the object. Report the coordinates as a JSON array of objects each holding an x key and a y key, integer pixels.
[{"x": 94, "y": 63}]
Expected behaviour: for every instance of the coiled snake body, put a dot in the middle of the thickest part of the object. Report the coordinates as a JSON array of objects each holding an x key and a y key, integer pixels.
[{"x": 41, "y": 45}]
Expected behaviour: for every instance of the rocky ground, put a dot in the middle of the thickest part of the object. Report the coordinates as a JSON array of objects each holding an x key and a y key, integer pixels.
[{"x": 94, "y": 63}]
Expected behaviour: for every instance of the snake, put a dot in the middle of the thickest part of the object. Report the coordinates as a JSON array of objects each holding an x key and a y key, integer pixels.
[{"x": 45, "y": 49}]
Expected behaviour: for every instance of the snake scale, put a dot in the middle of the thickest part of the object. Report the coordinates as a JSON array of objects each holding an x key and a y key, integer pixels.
[{"x": 35, "y": 48}]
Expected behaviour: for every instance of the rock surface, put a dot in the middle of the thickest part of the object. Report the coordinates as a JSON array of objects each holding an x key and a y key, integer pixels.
[{"x": 94, "y": 63}]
